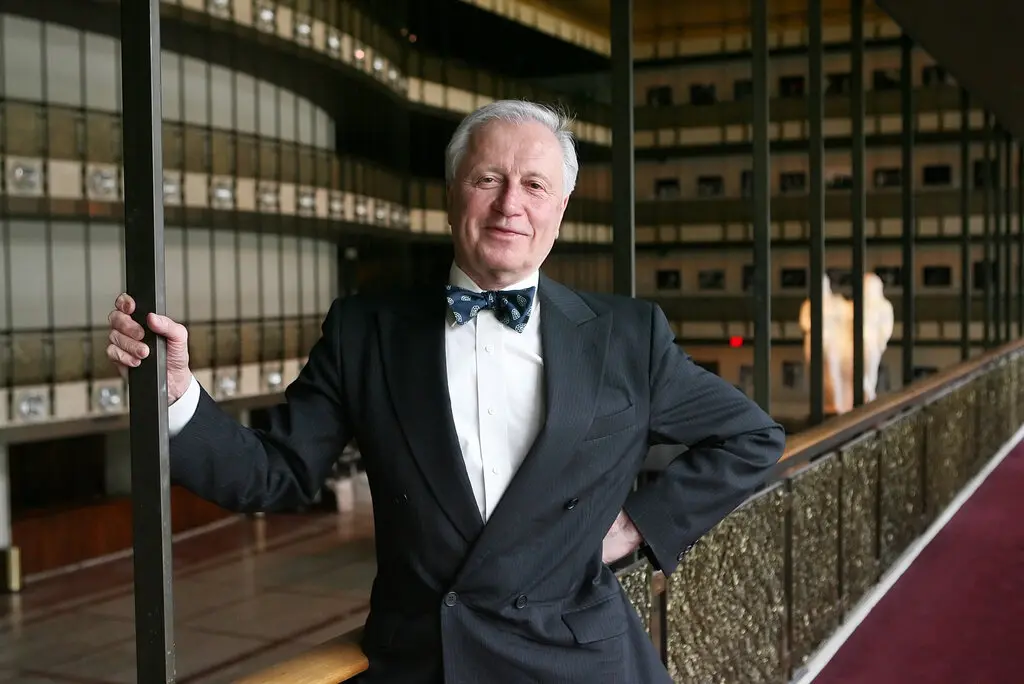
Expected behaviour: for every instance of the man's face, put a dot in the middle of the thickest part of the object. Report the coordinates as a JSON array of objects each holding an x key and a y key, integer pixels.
[{"x": 506, "y": 202}]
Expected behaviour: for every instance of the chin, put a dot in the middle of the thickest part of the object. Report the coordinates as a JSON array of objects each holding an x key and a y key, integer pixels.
[{"x": 502, "y": 262}]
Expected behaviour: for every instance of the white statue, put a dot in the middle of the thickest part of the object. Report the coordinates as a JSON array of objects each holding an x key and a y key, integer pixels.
[
  {"x": 837, "y": 346},
  {"x": 878, "y": 326},
  {"x": 837, "y": 341}
]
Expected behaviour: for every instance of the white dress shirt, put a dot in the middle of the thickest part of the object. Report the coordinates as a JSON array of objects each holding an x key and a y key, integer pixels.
[
  {"x": 496, "y": 381},
  {"x": 496, "y": 384}
]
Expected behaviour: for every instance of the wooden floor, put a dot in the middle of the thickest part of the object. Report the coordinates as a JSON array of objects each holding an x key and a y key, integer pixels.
[{"x": 246, "y": 594}]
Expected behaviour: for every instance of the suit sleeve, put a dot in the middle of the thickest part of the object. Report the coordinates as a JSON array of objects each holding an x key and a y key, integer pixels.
[
  {"x": 279, "y": 468},
  {"x": 731, "y": 447}
]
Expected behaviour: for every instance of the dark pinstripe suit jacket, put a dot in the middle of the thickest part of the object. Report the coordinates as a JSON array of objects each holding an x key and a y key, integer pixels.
[{"x": 524, "y": 598}]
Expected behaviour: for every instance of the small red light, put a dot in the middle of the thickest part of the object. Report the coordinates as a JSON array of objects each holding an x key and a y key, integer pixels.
[{"x": 735, "y": 341}]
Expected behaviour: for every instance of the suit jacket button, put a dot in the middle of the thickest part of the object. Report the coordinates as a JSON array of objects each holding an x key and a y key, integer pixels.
[
  {"x": 571, "y": 504},
  {"x": 521, "y": 601},
  {"x": 451, "y": 599}
]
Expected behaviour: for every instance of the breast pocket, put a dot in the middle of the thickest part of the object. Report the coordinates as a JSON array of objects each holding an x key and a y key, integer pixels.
[{"x": 612, "y": 424}]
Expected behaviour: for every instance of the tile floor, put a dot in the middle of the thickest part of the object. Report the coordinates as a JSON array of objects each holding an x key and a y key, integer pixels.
[{"x": 247, "y": 594}]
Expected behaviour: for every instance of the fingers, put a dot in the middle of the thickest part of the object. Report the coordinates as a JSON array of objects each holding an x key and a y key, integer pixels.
[
  {"x": 125, "y": 303},
  {"x": 127, "y": 349},
  {"x": 121, "y": 320},
  {"x": 134, "y": 350},
  {"x": 174, "y": 332},
  {"x": 121, "y": 358}
]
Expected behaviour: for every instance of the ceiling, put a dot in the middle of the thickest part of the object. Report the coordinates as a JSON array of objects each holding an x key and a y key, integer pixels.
[
  {"x": 986, "y": 65},
  {"x": 660, "y": 19}
]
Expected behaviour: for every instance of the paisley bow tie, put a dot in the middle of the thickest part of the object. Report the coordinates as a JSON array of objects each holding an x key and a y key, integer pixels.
[{"x": 512, "y": 307}]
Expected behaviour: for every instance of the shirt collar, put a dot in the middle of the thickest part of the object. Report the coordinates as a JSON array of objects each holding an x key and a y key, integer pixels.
[{"x": 458, "y": 278}]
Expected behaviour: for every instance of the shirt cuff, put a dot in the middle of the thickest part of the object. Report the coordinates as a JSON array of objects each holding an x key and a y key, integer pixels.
[{"x": 180, "y": 412}]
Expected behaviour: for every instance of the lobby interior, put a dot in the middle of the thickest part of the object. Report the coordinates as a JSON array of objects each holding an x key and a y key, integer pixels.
[{"x": 732, "y": 153}]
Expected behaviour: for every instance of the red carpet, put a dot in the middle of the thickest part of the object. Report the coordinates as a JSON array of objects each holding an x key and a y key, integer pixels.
[{"x": 956, "y": 616}]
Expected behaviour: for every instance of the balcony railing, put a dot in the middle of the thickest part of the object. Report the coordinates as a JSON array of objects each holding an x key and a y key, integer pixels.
[{"x": 848, "y": 499}]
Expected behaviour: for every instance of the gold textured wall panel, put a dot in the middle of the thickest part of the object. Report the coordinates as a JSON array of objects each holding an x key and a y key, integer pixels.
[
  {"x": 814, "y": 535},
  {"x": 726, "y": 601},
  {"x": 988, "y": 419},
  {"x": 902, "y": 501},
  {"x": 859, "y": 514},
  {"x": 636, "y": 582},
  {"x": 1019, "y": 395},
  {"x": 948, "y": 449}
]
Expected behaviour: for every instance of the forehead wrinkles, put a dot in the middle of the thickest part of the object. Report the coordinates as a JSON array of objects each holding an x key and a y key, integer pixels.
[{"x": 523, "y": 148}]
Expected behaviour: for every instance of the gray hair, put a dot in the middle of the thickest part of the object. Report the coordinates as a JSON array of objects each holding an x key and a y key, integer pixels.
[{"x": 518, "y": 112}]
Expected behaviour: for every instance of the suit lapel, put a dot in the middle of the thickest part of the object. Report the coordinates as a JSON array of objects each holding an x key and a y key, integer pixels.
[
  {"x": 575, "y": 343},
  {"x": 416, "y": 372}
]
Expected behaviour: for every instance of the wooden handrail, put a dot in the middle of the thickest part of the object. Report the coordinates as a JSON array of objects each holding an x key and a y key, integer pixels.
[
  {"x": 341, "y": 659},
  {"x": 835, "y": 432},
  {"x": 332, "y": 662}
]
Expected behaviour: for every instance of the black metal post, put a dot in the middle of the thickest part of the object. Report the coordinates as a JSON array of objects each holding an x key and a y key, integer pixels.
[
  {"x": 858, "y": 197},
  {"x": 144, "y": 263},
  {"x": 816, "y": 206},
  {"x": 1020, "y": 241},
  {"x": 997, "y": 239},
  {"x": 986, "y": 261},
  {"x": 1007, "y": 249},
  {"x": 966, "y": 291},
  {"x": 762, "y": 285},
  {"x": 623, "y": 171},
  {"x": 909, "y": 117}
]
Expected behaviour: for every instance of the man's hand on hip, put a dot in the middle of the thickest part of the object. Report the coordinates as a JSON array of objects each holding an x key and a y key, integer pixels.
[{"x": 622, "y": 539}]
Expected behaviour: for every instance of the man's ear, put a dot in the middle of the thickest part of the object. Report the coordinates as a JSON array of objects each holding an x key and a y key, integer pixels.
[{"x": 448, "y": 203}]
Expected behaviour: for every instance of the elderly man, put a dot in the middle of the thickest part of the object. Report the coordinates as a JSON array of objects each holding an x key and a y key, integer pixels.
[{"x": 502, "y": 418}]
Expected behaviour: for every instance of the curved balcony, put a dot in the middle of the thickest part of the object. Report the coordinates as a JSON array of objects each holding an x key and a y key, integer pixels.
[{"x": 341, "y": 39}]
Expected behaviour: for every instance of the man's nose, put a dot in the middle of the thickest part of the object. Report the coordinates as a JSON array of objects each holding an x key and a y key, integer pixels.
[{"x": 509, "y": 200}]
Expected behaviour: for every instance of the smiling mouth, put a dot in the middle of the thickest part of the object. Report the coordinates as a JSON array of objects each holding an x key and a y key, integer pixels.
[{"x": 503, "y": 231}]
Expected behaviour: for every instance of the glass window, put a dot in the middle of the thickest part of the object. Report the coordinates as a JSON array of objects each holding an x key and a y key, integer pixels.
[
  {"x": 659, "y": 96},
  {"x": 668, "y": 279},
  {"x": 711, "y": 279},
  {"x": 792, "y": 374},
  {"x": 703, "y": 94},
  {"x": 937, "y": 175},
  {"x": 937, "y": 276},
  {"x": 793, "y": 278}
]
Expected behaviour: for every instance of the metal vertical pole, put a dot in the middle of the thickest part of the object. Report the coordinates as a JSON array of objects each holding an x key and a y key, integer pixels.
[
  {"x": 762, "y": 209},
  {"x": 1020, "y": 241},
  {"x": 815, "y": 118},
  {"x": 1007, "y": 249},
  {"x": 966, "y": 286},
  {"x": 858, "y": 197},
  {"x": 623, "y": 195},
  {"x": 997, "y": 239},
  {"x": 909, "y": 117},
  {"x": 144, "y": 267},
  {"x": 986, "y": 261}
]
